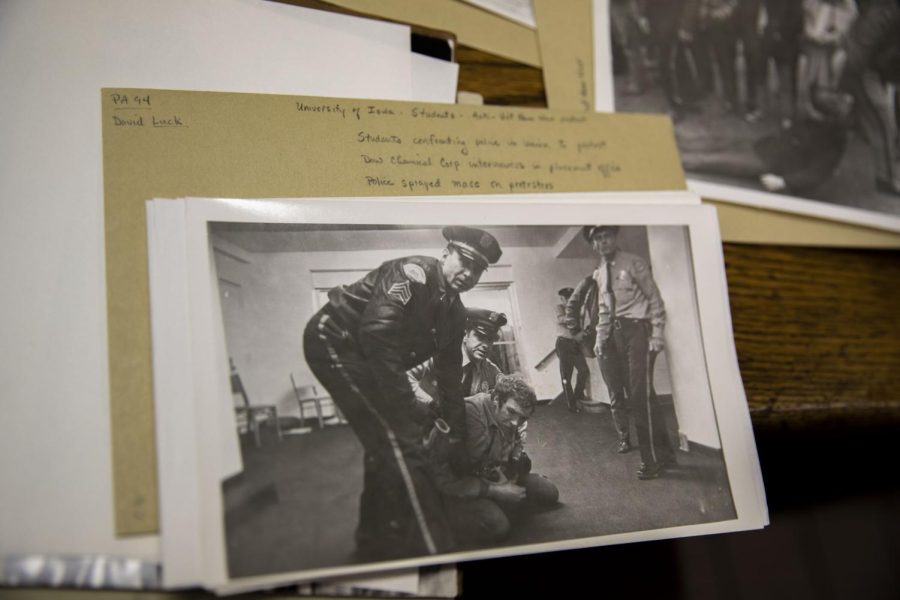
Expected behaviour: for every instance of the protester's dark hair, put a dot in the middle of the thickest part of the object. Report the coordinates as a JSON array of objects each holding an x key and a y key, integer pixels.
[{"x": 514, "y": 386}]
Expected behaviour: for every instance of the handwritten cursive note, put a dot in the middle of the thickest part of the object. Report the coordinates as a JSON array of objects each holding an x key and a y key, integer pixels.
[{"x": 395, "y": 148}]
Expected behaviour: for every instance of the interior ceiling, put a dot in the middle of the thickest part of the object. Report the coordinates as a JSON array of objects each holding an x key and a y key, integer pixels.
[{"x": 260, "y": 237}]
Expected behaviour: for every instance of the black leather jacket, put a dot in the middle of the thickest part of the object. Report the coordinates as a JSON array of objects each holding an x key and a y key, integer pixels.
[{"x": 400, "y": 315}]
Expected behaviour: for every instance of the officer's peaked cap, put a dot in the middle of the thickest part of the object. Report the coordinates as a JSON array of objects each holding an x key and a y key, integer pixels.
[
  {"x": 473, "y": 243},
  {"x": 566, "y": 291},
  {"x": 589, "y": 231},
  {"x": 487, "y": 322}
]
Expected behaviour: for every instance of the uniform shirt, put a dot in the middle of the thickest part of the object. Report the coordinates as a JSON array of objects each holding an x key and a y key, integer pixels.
[
  {"x": 562, "y": 329},
  {"x": 401, "y": 314},
  {"x": 477, "y": 376},
  {"x": 636, "y": 294}
]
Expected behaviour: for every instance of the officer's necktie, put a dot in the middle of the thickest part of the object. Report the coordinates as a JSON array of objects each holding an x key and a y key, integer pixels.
[
  {"x": 609, "y": 291},
  {"x": 468, "y": 371}
]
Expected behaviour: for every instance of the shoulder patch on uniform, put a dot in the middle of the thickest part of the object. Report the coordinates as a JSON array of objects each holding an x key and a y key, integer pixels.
[
  {"x": 414, "y": 272},
  {"x": 400, "y": 292}
]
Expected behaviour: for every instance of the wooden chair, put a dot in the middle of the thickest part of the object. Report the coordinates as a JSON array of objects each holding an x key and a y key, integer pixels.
[
  {"x": 252, "y": 414},
  {"x": 306, "y": 394}
]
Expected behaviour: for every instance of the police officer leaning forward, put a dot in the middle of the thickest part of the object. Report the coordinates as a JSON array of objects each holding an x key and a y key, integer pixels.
[
  {"x": 621, "y": 305},
  {"x": 479, "y": 373},
  {"x": 360, "y": 345}
]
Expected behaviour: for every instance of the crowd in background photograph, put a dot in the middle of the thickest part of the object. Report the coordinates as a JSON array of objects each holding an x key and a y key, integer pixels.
[{"x": 816, "y": 68}]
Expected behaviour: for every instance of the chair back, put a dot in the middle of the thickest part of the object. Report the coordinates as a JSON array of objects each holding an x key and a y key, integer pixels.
[
  {"x": 237, "y": 387},
  {"x": 303, "y": 392}
]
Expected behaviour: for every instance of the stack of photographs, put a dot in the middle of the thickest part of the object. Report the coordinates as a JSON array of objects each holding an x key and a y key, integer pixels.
[{"x": 345, "y": 387}]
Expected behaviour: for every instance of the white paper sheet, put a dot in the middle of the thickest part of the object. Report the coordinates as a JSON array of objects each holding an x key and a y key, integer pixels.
[
  {"x": 55, "y": 466},
  {"x": 519, "y": 11},
  {"x": 434, "y": 80}
]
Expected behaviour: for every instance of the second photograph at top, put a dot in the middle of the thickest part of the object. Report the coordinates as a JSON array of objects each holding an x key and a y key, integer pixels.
[{"x": 785, "y": 104}]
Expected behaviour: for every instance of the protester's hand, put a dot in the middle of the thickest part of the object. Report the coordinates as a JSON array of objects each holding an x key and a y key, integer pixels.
[
  {"x": 520, "y": 467},
  {"x": 657, "y": 344},
  {"x": 506, "y": 492}
]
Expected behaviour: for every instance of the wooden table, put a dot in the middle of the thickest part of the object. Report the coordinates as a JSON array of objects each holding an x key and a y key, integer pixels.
[{"x": 817, "y": 330}]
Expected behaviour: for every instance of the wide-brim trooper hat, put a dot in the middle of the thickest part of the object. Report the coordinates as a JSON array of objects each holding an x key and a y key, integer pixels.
[
  {"x": 473, "y": 243},
  {"x": 484, "y": 321},
  {"x": 589, "y": 231}
]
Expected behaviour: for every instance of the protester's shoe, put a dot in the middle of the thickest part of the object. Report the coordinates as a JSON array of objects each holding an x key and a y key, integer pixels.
[
  {"x": 623, "y": 447},
  {"x": 651, "y": 471},
  {"x": 574, "y": 408}
]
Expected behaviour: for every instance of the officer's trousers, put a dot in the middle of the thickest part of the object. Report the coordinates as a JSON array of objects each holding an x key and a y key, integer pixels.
[
  {"x": 570, "y": 356},
  {"x": 400, "y": 512},
  {"x": 624, "y": 363}
]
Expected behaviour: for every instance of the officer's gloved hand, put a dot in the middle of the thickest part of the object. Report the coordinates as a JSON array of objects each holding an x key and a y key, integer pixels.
[
  {"x": 423, "y": 413},
  {"x": 458, "y": 457}
]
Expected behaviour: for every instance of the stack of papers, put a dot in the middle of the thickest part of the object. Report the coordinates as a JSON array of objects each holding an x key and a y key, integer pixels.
[{"x": 214, "y": 265}]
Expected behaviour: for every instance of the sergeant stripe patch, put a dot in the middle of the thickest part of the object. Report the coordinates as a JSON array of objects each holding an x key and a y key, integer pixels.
[{"x": 400, "y": 292}]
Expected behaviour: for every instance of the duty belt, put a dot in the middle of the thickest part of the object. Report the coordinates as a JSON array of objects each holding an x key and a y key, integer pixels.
[{"x": 619, "y": 321}]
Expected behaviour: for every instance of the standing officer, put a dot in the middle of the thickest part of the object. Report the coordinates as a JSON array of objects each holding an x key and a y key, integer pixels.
[
  {"x": 360, "y": 345},
  {"x": 622, "y": 304},
  {"x": 570, "y": 355},
  {"x": 479, "y": 373}
]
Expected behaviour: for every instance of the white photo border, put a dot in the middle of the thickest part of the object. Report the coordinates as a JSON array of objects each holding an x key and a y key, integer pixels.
[
  {"x": 175, "y": 414},
  {"x": 732, "y": 416}
]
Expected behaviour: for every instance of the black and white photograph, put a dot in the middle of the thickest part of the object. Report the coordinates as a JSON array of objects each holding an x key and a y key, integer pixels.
[
  {"x": 437, "y": 389},
  {"x": 786, "y": 104}
]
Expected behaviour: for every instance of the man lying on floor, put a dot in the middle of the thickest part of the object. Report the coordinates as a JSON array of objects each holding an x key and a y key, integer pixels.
[{"x": 497, "y": 489}]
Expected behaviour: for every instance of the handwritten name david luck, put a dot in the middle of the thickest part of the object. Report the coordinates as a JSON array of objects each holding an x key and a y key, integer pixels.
[{"x": 148, "y": 120}]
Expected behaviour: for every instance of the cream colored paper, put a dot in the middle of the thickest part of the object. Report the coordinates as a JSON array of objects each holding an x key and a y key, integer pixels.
[
  {"x": 473, "y": 27},
  {"x": 244, "y": 145},
  {"x": 752, "y": 225},
  {"x": 566, "y": 40}
]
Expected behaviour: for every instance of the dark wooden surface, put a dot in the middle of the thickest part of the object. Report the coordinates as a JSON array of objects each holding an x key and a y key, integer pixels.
[{"x": 817, "y": 330}]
